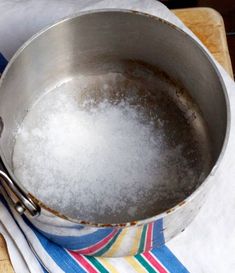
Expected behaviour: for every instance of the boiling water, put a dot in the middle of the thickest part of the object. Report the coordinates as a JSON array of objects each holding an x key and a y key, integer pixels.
[{"x": 106, "y": 149}]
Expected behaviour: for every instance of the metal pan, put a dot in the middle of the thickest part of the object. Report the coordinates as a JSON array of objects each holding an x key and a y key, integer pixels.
[{"x": 155, "y": 57}]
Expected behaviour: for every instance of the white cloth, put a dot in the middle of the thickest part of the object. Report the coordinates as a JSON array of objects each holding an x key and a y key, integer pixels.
[{"x": 208, "y": 244}]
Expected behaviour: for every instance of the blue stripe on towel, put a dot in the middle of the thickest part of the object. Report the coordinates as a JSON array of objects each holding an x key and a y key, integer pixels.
[
  {"x": 169, "y": 260},
  {"x": 158, "y": 237},
  {"x": 3, "y": 63},
  {"x": 59, "y": 255},
  {"x": 74, "y": 243}
]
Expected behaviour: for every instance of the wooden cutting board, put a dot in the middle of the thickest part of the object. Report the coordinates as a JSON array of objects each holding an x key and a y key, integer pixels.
[{"x": 208, "y": 25}]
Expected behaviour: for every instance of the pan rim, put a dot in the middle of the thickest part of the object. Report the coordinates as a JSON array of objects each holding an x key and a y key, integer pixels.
[{"x": 215, "y": 165}]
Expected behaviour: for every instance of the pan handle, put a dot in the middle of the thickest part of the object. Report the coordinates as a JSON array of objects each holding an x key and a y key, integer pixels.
[{"x": 22, "y": 202}]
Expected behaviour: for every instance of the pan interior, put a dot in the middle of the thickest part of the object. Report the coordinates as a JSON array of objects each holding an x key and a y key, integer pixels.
[{"x": 119, "y": 144}]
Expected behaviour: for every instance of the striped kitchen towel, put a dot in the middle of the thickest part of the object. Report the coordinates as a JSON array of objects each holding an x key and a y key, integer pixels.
[{"x": 46, "y": 256}]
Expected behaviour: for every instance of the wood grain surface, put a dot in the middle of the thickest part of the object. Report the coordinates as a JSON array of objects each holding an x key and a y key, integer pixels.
[
  {"x": 5, "y": 264},
  {"x": 208, "y": 25}
]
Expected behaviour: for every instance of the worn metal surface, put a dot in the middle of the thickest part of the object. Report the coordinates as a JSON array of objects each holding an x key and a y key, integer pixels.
[{"x": 71, "y": 47}]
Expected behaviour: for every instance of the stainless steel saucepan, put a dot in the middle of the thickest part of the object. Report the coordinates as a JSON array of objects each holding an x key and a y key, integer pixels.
[{"x": 137, "y": 45}]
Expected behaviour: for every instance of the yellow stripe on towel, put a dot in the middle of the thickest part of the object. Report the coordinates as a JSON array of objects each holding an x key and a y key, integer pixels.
[
  {"x": 136, "y": 243},
  {"x": 135, "y": 264},
  {"x": 115, "y": 247}
]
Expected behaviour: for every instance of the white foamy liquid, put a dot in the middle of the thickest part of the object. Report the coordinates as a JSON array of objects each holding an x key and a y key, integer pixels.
[{"x": 96, "y": 162}]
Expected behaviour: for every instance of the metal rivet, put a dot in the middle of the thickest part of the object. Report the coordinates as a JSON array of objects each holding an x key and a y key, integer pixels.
[{"x": 19, "y": 208}]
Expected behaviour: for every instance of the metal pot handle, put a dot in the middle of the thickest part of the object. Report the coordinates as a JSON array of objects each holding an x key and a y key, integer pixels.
[{"x": 22, "y": 203}]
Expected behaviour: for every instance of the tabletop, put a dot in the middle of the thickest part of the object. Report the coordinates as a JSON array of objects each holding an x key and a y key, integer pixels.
[{"x": 208, "y": 25}]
